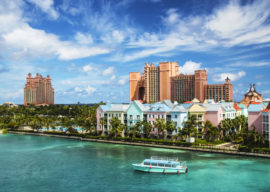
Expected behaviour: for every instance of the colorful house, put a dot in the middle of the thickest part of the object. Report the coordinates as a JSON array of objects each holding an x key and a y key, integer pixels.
[
  {"x": 266, "y": 122},
  {"x": 108, "y": 112},
  {"x": 214, "y": 113},
  {"x": 238, "y": 110},
  {"x": 230, "y": 112},
  {"x": 136, "y": 112},
  {"x": 244, "y": 110},
  {"x": 199, "y": 111},
  {"x": 158, "y": 111},
  {"x": 255, "y": 117},
  {"x": 179, "y": 115}
]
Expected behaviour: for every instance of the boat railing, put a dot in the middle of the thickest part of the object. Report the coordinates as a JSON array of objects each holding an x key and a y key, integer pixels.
[
  {"x": 183, "y": 164},
  {"x": 164, "y": 158}
]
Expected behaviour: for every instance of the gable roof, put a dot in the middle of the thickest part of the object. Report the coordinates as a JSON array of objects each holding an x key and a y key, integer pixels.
[
  {"x": 197, "y": 108},
  {"x": 212, "y": 107},
  {"x": 255, "y": 107},
  {"x": 158, "y": 107},
  {"x": 186, "y": 105},
  {"x": 179, "y": 108},
  {"x": 228, "y": 106},
  {"x": 168, "y": 103},
  {"x": 242, "y": 106},
  {"x": 118, "y": 107},
  {"x": 195, "y": 100},
  {"x": 236, "y": 107}
]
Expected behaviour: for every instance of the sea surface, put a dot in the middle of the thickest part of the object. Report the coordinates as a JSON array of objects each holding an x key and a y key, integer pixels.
[{"x": 44, "y": 164}]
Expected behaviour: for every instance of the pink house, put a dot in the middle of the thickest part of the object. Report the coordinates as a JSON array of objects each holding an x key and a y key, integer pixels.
[
  {"x": 215, "y": 113},
  {"x": 157, "y": 111},
  {"x": 255, "y": 117}
]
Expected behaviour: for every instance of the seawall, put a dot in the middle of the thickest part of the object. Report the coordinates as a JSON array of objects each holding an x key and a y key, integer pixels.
[{"x": 207, "y": 150}]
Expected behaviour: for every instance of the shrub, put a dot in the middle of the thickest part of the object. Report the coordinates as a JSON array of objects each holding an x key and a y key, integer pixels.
[{"x": 5, "y": 131}]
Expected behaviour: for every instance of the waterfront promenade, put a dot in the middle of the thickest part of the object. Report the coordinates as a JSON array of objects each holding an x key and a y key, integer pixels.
[{"x": 207, "y": 149}]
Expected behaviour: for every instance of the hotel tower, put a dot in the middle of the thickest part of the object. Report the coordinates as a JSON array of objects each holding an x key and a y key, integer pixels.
[
  {"x": 38, "y": 90},
  {"x": 163, "y": 82}
]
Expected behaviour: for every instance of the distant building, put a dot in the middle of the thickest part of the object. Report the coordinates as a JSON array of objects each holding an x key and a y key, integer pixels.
[
  {"x": 252, "y": 96},
  {"x": 38, "y": 90},
  {"x": 9, "y": 104},
  {"x": 163, "y": 82}
]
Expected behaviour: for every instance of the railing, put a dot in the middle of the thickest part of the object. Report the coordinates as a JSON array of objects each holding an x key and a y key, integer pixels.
[{"x": 164, "y": 158}]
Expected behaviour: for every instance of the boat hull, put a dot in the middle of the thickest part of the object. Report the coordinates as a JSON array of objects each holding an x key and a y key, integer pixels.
[{"x": 153, "y": 169}]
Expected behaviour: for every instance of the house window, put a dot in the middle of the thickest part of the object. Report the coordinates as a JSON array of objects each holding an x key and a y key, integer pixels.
[
  {"x": 138, "y": 117},
  {"x": 175, "y": 116},
  {"x": 109, "y": 115}
]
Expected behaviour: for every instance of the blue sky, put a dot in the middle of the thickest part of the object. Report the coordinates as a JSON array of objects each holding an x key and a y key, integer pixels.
[{"x": 88, "y": 47}]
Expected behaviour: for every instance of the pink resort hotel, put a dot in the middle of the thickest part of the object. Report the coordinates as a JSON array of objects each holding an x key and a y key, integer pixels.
[
  {"x": 38, "y": 90},
  {"x": 163, "y": 82}
]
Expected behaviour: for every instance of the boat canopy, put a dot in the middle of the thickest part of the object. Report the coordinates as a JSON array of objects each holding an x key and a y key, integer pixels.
[{"x": 160, "y": 163}]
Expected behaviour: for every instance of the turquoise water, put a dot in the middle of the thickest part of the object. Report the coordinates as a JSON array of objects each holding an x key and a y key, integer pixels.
[{"x": 44, "y": 164}]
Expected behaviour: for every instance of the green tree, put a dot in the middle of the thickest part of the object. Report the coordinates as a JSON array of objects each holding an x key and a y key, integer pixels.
[
  {"x": 211, "y": 131},
  {"x": 116, "y": 129},
  {"x": 147, "y": 127},
  {"x": 190, "y": 127},
  {"x": 160, "y": 124}
]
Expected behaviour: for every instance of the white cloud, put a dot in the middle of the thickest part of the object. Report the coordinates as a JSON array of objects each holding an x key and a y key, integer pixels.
[
  {"x": 189, "y": 67},
  {"x": 47, "y": 7},
  {"x": 87, "y": 68},
  {"x": 108, "y": 71},
  {"x": 113, "y": 77},
  {"x": 259, "y": 83},
  {"x": 84, "y": 39},
  {"x": 20, "y": 40},
  {"x": 227, "y": 26},
  {"x": 232, "y": 76},
  {"x": 251, "y": 64},
  {"x": 79, "y": 91},
  {"x": 123, "y": 80}
]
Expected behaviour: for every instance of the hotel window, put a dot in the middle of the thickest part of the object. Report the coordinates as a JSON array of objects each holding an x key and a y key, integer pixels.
[
  {"x": 109, "y": 115},
  {"x": 175, "y": 116},
  {"x": 130, "y": 116},
  {"x": 138, "y": 117}
]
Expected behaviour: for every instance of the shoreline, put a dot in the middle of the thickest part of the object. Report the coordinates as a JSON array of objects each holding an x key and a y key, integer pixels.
[{"x": 206, "y": 150}]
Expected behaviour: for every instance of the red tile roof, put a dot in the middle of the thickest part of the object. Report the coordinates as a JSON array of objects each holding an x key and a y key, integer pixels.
[
  {"x": 266, "y": 110},
  {"x": 236, "y": 107},
  {"x": 188, "y": 102},
  {"x": 254, "y": 102}
]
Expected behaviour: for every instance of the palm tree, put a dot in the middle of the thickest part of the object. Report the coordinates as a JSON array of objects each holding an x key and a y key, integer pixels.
[
  {"x": 190, "y": 126},
  {"x": 147, "y": 127},
  {"x": 115, "y": 123},
  {"x": 211, "y": 131},
  {"x": 102, "y": 122},
  {"x": 171, "y": 127},
  {"x": 160, "y": 124}
]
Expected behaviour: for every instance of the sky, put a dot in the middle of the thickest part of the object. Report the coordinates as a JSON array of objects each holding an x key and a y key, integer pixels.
[{"x": 88, "y": 47}]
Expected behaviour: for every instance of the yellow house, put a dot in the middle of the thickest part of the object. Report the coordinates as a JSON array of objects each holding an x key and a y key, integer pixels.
[{"x": 199, "y": 111}]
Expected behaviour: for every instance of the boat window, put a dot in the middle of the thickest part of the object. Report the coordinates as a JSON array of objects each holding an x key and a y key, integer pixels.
[
  {"x": 154, "y": 164},
  {"x": 168, "y": 165},
  {"x": 161, "y": 164},
  {"x": 146, "y": 163},
  {"x": 174, "y": 165}
]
